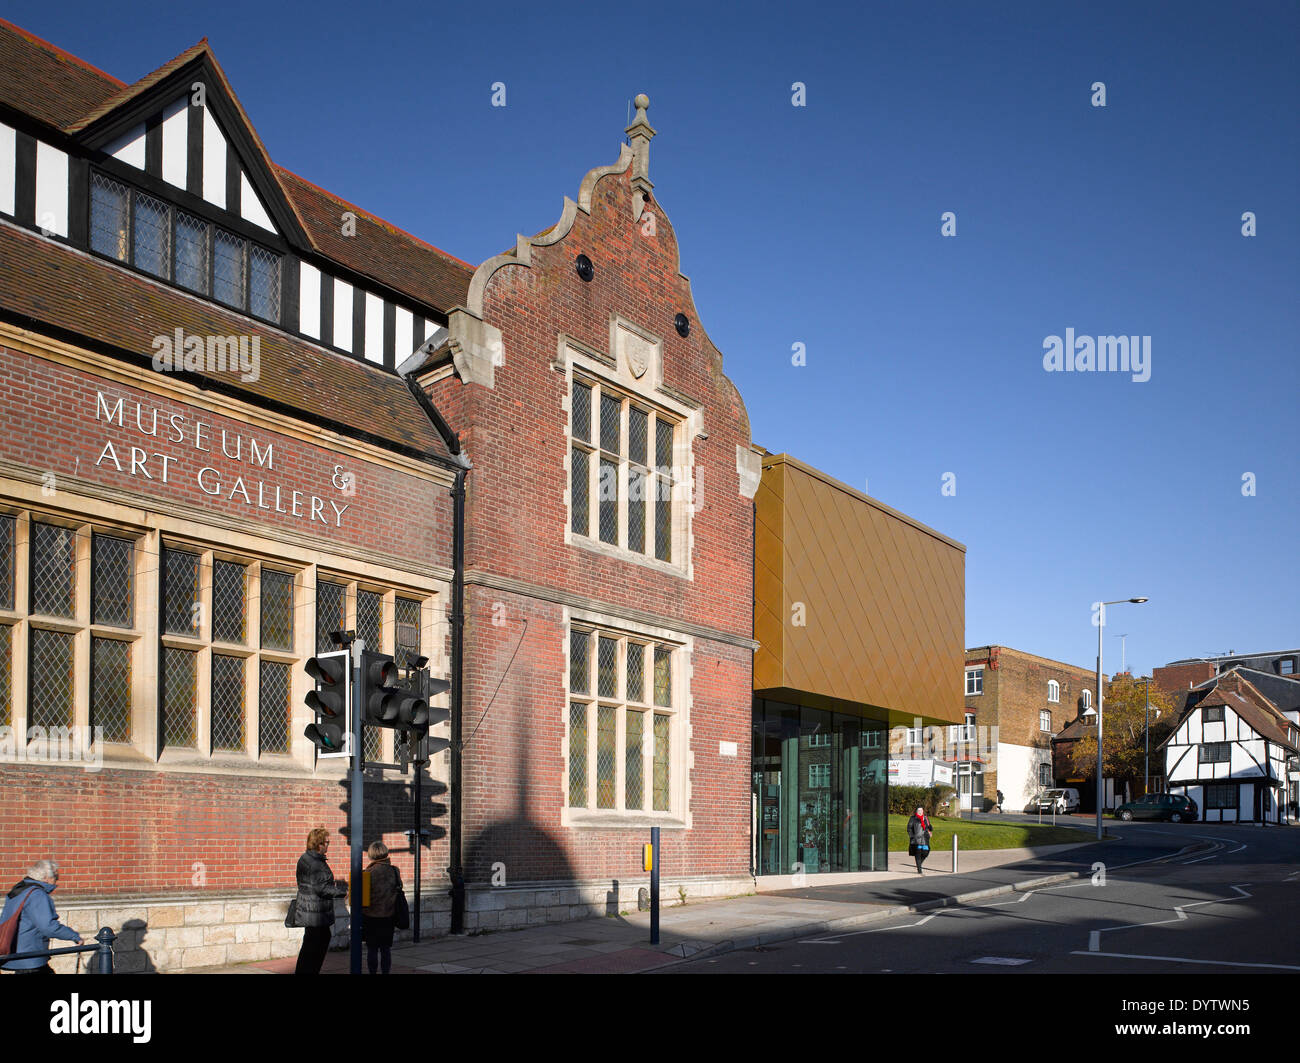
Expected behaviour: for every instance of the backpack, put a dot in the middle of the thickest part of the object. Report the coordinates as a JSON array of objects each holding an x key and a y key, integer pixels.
[{"x": 9, "y": 928}]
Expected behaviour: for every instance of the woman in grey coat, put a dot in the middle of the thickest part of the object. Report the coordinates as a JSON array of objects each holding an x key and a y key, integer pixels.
[
  {"x": 315, "y": 902},
  {"x": 919, "y": 829}
]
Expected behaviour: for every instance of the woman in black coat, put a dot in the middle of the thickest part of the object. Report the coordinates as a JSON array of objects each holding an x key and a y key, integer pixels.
[
  {"x": 315, "y": 902},
  {"x": 919, "y": 829},
  {"x": 381, "y": 912}
]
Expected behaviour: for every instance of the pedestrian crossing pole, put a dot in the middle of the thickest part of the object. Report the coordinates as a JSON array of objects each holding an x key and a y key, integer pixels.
[
  {"x": 355, "y": 819},
  {"x": 652, "y": 865}
]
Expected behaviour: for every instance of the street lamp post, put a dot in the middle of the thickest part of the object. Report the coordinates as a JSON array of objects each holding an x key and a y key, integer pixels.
[
  {"x": 1101, "y": 623},
  {"x": 1146, "y": 728}
]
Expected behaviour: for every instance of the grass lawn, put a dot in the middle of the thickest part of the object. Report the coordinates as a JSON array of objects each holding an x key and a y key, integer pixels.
[{"x": 983, "y": 835}]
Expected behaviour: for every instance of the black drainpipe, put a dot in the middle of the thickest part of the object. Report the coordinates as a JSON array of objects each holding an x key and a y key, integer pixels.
[{"x": 456, "y": 871}]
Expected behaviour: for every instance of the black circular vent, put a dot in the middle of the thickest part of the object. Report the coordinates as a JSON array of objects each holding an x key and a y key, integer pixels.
[
  {"x": 584, "y": 267},
  {"x": 683, "y": 324}
]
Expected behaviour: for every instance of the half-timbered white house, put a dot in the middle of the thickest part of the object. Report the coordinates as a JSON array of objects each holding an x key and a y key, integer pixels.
[{"x": 1229, "y": 752}]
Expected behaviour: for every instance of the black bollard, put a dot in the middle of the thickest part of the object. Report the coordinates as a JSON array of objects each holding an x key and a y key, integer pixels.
[{"x": 104, "y": 954}]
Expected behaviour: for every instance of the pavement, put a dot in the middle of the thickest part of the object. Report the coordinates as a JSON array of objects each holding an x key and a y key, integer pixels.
[{"x": 621, "y": 944}]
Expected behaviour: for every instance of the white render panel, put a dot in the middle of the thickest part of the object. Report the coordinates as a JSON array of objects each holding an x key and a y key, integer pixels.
[
  {"x": 430, "y": 327},
  {"x": 374, "y": 329},
  {"x": 214, "y": 161},
  {"x": 1018, "y": 773},
  {"x": 403, "y": 343},
  {"x": 250, "y": 207},
  {"x": 51, "y": 189},
  {"x": 175, "y": 141},
  {"x": 309, "y": 300},
  {"x": 129, "y": 147},
  {"x": 342, "y": 315},
  {"x": 8, "y": 168}
]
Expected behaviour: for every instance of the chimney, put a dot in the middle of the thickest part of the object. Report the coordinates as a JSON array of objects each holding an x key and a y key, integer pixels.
[{"x": 639, "y": 134}]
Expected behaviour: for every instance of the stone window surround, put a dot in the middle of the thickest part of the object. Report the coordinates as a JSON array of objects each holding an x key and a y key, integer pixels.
[
  {"x": 147, "y": 638},
  {"x": 648, "y": 390},
  {"x": 681, "y": 757}
]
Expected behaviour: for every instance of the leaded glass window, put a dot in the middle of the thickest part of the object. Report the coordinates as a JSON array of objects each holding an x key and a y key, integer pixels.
[
  {"x": 273, "y": 708},
  {"x": 229, "y": 602},
  {"x": 112, "y": 580},
  {"x": 634, "y": 759},
  {"x": 579, "y": 661},
  {"x": 635, "y": 672},
  {"x": 607, "y": 668},
  {"x": 182, "y": 614},
  {"x": 579, "y": 490},
  {"x": 6, "y": 675},
  {"x": 192, "y": 253},
  {"x": 331, "y": 613},
  {"x": 160, "y": 239},
  {"x": 180, "y": 696},
  {"x": 227, "y": 703},
  {"x": 54, "y": 570},
  {"x": 608, "y": 487},
  {"x": 228, "y": 269},
  {"x": 7, "y": 561},
  {"x": 371, "y": 744},
  {"x": 581, "y": 412},
  {"x": 578, "y": 755},
  {"x": 661, "y": 763},
  {"x": 151, "y": 234},
  {"x": 664, "y": 491},
  {"x": 370, "y": 618},
  {"x": 606, "y": 737},
  {"x": 50, "y": 679},
  {"x": 610, "y": 732},
  {"x": 612, "y": 445},
  {"x": 663, "y": 676},
  {"x": 406, "y": 614},
  {"x": 277, "y": 610},
  {"x": 263, "y": 283},
  {"x": 110, "y": 689},
  {"x": 109, "y": 217}
]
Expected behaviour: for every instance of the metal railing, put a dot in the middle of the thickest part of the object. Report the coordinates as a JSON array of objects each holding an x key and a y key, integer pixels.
[{"x": 103, "y": 963}]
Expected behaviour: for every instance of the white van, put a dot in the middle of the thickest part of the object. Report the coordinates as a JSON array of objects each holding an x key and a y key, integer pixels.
[{"x": 1062, "y": 800}]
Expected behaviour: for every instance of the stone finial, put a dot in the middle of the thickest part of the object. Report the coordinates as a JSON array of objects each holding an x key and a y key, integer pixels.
[{"x": 639, "y": 134}]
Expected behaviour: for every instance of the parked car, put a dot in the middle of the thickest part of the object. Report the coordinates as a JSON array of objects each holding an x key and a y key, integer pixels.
[
  {"x": 1062, "y": 800},
  {"x": 1177, "y": 808}
]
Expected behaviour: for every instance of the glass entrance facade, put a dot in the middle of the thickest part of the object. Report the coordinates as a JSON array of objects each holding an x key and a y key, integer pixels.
[{"x": 820, "y": 784}]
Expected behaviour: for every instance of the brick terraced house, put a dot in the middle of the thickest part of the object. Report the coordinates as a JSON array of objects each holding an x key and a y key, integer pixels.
[
  {"x": 1016, "y": 703},
  {"x": 225, "y": 399}
]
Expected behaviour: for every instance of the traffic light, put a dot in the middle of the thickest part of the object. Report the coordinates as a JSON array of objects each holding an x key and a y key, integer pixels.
[
  {"x": 385, "y": 703},
  {"x": 429, "y": 689},
  {"x": 331, "y": 734}
]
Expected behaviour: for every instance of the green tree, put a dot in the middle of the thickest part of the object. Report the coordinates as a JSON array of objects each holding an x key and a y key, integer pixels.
[{"x": 1124, "y": 732}]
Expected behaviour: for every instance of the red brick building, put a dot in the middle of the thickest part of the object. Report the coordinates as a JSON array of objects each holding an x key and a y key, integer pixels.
[
  {"x": 214, "y": 450},
  {"x": 609, "y": 562}
]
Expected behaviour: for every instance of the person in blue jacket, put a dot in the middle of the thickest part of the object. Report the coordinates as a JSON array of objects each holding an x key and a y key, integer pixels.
[{"x": 39, "y": 921}]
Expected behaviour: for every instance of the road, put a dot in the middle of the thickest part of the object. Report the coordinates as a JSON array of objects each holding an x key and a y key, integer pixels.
[{"x": 1228, "y": 907}]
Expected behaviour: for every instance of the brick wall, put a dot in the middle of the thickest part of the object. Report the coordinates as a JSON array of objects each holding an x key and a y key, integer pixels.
[
  {"x": 1015, "y": 692},
  {"x": 516, "y": 435}
]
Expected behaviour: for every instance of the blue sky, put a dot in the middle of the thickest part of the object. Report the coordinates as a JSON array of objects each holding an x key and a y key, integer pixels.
[{"x": 820, "y": 225}]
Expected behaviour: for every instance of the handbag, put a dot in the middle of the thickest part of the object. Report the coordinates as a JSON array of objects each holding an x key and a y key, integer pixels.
[
  {"x": 401, "y": 912},
  {"x": 291, "y": 916}
]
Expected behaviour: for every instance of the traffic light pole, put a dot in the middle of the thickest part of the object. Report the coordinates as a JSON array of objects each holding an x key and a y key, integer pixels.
[{"x": 355, "y": 818}]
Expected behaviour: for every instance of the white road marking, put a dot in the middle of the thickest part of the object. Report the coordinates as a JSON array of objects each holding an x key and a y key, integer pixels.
[
  {"x": 1291, "y": 876},
  {"x": 1184, "y": 959},
  {"x": 1003, "y": 961},
  {"x": 1180, "y": 915},
  {"x": 877, "y": 930}
]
